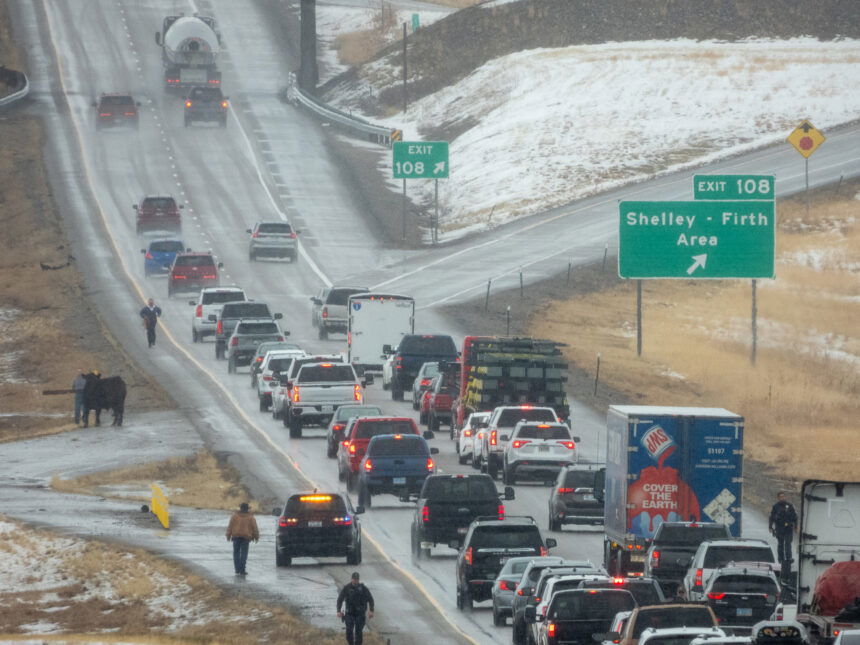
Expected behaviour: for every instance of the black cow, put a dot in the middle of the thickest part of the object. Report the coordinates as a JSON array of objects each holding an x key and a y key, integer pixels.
[{"x": 104, "y": 394}]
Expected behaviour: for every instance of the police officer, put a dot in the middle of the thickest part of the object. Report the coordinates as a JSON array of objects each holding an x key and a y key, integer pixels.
[
  {"x": 783, "y": 524},
  {"x": 358, "y": 600}
]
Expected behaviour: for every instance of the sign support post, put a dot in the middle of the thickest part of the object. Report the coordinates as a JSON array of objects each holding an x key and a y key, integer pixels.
[
  {"x": 639, "y": 318},
  {"x": 405, "y": 96},
  {"x": 806, "y": 164},
  {"x": 435, "y": 211},
  {"x": 754, "y": 328}
]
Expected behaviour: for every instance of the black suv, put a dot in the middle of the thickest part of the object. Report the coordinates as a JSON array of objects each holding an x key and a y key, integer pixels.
[
  {"x": 572, "y": 500},
  {"x": 116, "y": 109},
  {"x": 487, "y": 546},
  {"x": 413, "y": 351},
  {"x": 206, "y": 104},
  {"x": 446, "y": 506},
  {"x": 317, "y": 525}
]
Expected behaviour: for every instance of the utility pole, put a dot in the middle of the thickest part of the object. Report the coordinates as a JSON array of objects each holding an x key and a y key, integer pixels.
[
  {"x": 308, "y": 72},
  {"x": 405, "y": 94}
]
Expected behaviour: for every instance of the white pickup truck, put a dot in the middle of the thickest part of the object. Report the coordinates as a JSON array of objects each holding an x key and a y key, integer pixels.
[{"x": 317, "y": 391}]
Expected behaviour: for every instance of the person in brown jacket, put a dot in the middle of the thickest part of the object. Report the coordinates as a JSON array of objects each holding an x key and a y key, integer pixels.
[{"x": 241, "y": 530}]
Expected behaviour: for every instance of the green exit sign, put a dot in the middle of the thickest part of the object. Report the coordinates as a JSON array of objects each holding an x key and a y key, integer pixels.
[
  {"x": 722, "y": 187},
  {"x": 730, "y": 239},
  {"x": 420, "y": 159}
]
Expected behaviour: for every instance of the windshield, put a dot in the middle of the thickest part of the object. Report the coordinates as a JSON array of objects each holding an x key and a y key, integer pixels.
[
  {"x": 645, "y": 591},
  {"x": 167, "y": 246},
  {"x": 117, "y": 100},
  {"x": 460, "y": 488},
  {"x": 579, "y": 479},
  {"x": 344, "y": 412},
  {"x": 279, "y": 364},
  {"x": 257, "y": 328},
  {"x": 408, "y": 445},
  {"x": 194, "y": 261},
  {"x": 367, "y": 428},
  {"x": 326, "y": 373},
  {"x": 671, "y": 640},
  {"x": 510, "y": 417},
  {"x": 720, "y": 556},
  {"x": 506, "y": 537},
  {"x": 340, "y": 296},
  {"x": 315, "y": 505},
  {"x": 692, "y": 534},
  {"x": 429, "y": 370},
  {"x": 589, "y": 606},
  {"x": 427, "y": 345},
  {"x": 246, "y": 310},
  {"x": 745, "y": 584},
  {"x": 299, "y": 363},
  {"x": 159, "y": 203},
  {"x": 220, "y": 297},
  {"x": 537, "y": 432},
  {"x": 275, "y": 228},
  {"x": 659, "y": 618}
]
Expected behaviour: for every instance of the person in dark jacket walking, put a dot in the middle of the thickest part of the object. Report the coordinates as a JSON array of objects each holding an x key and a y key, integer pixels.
[
  {"x": 150, "y": 315},
  {"x": 356, "y": 599},
  {"x": 241, "y": 530},
  {"x": 783, "y": 524},
  {"x": 78, "y": 388}
]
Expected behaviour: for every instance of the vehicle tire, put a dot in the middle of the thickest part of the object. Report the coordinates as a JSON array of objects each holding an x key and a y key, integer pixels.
[
  {"x": 187, "y": 121},
  {"x": 322, "y": 332},
  {"x": 295, "y": 429},
  {"x": 282, "y": 560},
  {"x": 285, "y": 418},
  {"x": 294, "y": 258},
  {"x": 194, "y": 337},
  {"x": 476, "y": 462},
  {"x": 331, "y": 450},
  {"x": 415, "y": 404},
  {"x": 169, "y": 291},
  {"x": 460, "y": 600},
  {"x": 231, "y": 365},
  {"x": 396, "y": 391},
  {"x": 467, "y": 601},
  {"x": 554, "y": 524},
  {"x": 219, "y": 350},
  {"x": 223, "y": 122},
  {"x": 422, "y": 418},
  {"x": 253, "y": 379},
  {"x": 492, "y": 468},
  {"x": 451, "y": 435},
  {"x": 354, "y": 556},
  {"x": 364, "y": 497},
  {"x": 518, "y": 633},
  {"x": 351, "y": 481},
  {"x": 252, "y": 257},
  {"x": 434, "y": 423},
  {"x": 463, "y": 459},
  {"x": 509, "y": 476},
  {"x": 263, "y": 406},
  {"x": 498, "y": 619},
  {"x": 341, "y": 476},
  {"x": 275, "y": 414},
  {"x": 387, "y": 386}
]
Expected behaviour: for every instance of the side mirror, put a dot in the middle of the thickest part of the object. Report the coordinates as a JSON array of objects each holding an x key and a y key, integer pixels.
[
  {"x": 386, "y": 349},
  {"x": 434, "y": 451},
  {"x": 600, "y": 485},
  {"x": 220, "y": 265},
  {"x": 368, "y": 378},
  {"x": 296, "y": 231},
  {"x": 530, "y": 615},
  {"x": 316, "y": 300},
  {"x": 278, "y": 316},
  {"x": 289, "y": 385},
  {"x": 505, "y": 437},
  {"x": 359, "y": 510},
  {"x": 551, "y": 543},
  {"x": 606, "y": 636},
  {"x": 454, "y": 544},
  {"x": 509, "y": 493},
  {"x": 213, "y": 318},
  {"x": 134, "y": 206},
  {"x": 181, "y": 206},
  {"x": 137, "y": 103},
  {"x": 143, "y": 251},
  {"x": 276, "y": 512},
  {"x": 285, "y": 333},
  {"x": 192, "y": 302},
  {"x": 247, "y": 230},
  {"x": 428, "y": 434},
  {"x": 157, "y": 37},
  {"x": 576, "y": 439}
]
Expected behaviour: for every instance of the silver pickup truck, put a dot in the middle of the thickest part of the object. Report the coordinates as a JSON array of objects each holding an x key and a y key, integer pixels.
[{"x": 317, "y": 391}]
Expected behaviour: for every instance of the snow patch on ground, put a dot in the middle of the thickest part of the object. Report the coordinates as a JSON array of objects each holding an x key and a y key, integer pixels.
[
  {"x": 828, "y": 259},
  {"x": 544, "y": 127}
]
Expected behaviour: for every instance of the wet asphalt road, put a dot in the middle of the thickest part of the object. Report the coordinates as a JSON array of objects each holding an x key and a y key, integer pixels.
[{"x": 272, "y": 162}]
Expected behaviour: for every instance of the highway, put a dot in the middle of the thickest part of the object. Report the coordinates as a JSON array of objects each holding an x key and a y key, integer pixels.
[{"x": 273, "y": 162}]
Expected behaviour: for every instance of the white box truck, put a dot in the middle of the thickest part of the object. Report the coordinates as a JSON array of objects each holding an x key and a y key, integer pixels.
[{"x": 377, "y": 319}]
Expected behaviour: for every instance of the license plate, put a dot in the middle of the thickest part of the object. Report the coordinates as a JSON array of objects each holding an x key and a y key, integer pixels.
[
  {"x": 588, "y": 497},
  {"x": 327, "y": 409},
  {"x": 314, "y": 525},
  {"x": 637, "y": 558},
  {"x": 744, "y": 611},
  {"x": 193, "y": 75},
  {"x": 462, "y": 530},
  {"x": 399, "y": 480},
  {"x": 543, "y": 448}
]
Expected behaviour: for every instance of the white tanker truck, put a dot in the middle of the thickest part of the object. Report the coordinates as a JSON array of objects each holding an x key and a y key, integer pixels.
[{"x": 189, "y": 51}]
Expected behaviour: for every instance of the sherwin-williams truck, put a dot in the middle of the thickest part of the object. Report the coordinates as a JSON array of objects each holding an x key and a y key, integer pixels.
[{"x": 667, "y": 464}]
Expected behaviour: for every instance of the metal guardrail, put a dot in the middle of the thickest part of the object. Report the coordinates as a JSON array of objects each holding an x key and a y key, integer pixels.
[
  {"x": 17, "y": 80},
  {"x": 376, "y": 133}
]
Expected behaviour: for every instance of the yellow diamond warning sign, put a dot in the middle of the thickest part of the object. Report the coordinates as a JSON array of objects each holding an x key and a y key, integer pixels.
[{"x": 806, "y": 138}]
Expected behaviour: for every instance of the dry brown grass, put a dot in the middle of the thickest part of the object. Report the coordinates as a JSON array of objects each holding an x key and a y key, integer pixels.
[
  {"x": 199, "y": 481},
  {"x": 102, "y": 588},
  {"x": 801, "y": 399}
]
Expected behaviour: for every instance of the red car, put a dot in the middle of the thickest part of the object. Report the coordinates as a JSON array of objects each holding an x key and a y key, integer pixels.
[
  {"x": 192, "y": 272},
  {"x": 158, "y": 213},
  {"x": 351, "y": 451},
  {"x": 116, "y": 109}
]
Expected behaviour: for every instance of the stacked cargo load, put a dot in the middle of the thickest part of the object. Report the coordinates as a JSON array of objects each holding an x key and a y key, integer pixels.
[{"x": 509, "y": 371}]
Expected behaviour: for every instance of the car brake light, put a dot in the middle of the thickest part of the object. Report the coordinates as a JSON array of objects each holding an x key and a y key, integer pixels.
[
  {"x": 287, "y": 521},
  {"x": 618, "y": 581},
  {"x": 564, "y": 491},
  {"x": 337, "y": 427},
  {"x": 280, "y": 339},
  {"x": 148, "y": 255},
  {"x": 179, "y": 277},
  {"x": 349, "y": 339},
  {"x": 493, "y": 438},
  {"x": 550, "y": 630},
  {"x": 223, "y": 104},
  {"x": 293, "y": 235},
  {"x": 519, "y": 443},
  {"x": 234, "y": 342},
  {"x": 209, "y": 276},
  {"x": 467, "y": 433},
  {"x": 520, "y": 592},
  {"x": 430, "y": 465},
  {"x": 214, "y": 81},
  {"x": 500, "y": 510},
  {"x": 425, "y": 514},
  {"x": 324, "y": 312},
  {"x": 188, "y": 104},
  {"x": 198, "y": 313},
  {"x": 425, "y": 382},
  {"x": 219, "y": 327},
  {"x": 504, "y": 585},
  {"x": 368, "y": 465},
  {"x": 296, "y": 394},
  {"x": 104, "y": 114},
  {"x": 543, "y": 552},
  {"x": 266, "y": 377},
  {"x": 128, "y": 113},
  {"x": 698, "y": 582},
  {"x": 352, "y": 448},
  {"x": 467, "y": 557},
  {"x": 356, "y": 392},
  {"x": 346, "y": 520},
  {"x": 568, "y": 444},
  {"x": 716, "y": 596},
  {"x": 655, "y": 558}
]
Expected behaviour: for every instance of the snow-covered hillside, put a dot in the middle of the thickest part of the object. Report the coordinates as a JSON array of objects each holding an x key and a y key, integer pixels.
[{"x": 540, "y": 128}]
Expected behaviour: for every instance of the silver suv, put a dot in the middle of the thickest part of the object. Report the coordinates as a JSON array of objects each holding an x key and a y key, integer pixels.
[
  {"x": 277, "y": 239},
  {"x": 329, "y": 313},
  {"x": 249, "y": 333},
  {"x": 210, "y": 301}
]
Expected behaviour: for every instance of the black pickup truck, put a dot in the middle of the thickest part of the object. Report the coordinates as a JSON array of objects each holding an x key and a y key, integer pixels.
[
  {"x": 673, "y": 547},
  {"x": 446, "y": 506},
  {"x": 413, "y": 351}
]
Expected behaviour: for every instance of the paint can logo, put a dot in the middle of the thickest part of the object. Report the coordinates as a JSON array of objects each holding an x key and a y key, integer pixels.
[{"x": 658, "y": 443}]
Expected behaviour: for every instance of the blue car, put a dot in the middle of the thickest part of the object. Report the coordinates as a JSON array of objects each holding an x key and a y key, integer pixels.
[
  {"x": 158, "y": 257},
  {"x": 396, "y": 464}
]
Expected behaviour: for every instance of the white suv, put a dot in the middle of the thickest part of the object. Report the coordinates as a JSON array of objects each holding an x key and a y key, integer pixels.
[
  {"x": 277, "y": 360},
  {"x": 716, "y": 554},
  {"x": 465, "y": 441},
  {"x": 499, "y": 426},
  {"x": 209, "y": 302},
  {"x": 538, "y": 451}
]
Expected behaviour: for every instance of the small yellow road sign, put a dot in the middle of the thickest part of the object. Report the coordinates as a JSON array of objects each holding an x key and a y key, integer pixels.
[
  {"x": 159, "y": 506},
  {"x": 806, "y": 138}
]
